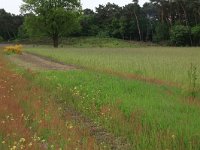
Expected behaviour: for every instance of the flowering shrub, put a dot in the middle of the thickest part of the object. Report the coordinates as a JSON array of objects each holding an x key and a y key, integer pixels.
[{"x": 15, "y": 49}]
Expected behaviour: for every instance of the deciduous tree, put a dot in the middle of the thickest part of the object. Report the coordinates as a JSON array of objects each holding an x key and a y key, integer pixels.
[{"x": 53, "y": 18}]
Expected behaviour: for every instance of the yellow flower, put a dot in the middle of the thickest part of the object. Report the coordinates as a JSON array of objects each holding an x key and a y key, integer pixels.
[
  {"x": 16, "y": 49},
  {"x": 22, "y": 140},
  {"x": 69, "y": 125},
  {"x": 14, "y": 147},
  {"x": 30, "y": 144},
  {"x": 173, "y": 136},
  {"x": 3, "y": 142},
  {"x": 22, "y": 146}
]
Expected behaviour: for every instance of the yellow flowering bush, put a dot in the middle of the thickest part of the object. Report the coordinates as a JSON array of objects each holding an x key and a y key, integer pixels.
[{"x": 15, "y": 49}]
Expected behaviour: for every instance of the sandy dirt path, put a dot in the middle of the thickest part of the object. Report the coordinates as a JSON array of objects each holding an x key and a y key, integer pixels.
[{"x": 33, "y": 62}]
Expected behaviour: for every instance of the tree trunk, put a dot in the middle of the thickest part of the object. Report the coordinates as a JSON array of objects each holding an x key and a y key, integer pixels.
[
  {"x": 55, "y": 41},
  {"x": 186, "y": 21},
  {"x": 138, "y": 25},
  {"x": 162, "y": 15},
  {"x": 170, "y": 13}
]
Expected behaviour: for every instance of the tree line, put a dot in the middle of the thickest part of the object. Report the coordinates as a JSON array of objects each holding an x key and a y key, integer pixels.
[
  {"x": 9, "y": 25},
  {"x": 173, "y": 22}
]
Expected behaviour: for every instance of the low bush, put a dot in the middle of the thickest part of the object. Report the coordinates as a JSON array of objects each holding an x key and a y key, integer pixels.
[
  {"x": 15, "y": 49},
  {"x": 1, "y": 39},
  {"x": 180, "y": 35},
  {"x": 196, "y": 34}
]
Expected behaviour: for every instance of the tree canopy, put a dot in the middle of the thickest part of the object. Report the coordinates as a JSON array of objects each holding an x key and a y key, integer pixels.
[
  {"x": 156, "y": 21},
  {"x": 9, "y": 25},
  {"x": 53, "y": 18},
  {"x": 152, "y": 22}
]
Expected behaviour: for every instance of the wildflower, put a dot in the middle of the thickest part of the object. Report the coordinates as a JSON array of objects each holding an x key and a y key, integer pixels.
[
  {"x": 30, "y": 144},
  {"x": 22, "y": 140},
  {"x": 22, "y": 146},
  {"x": 3, "y": 142},
  {"x": 69, "y": 125},
  {"x": 173, "y": 136},
  {"x": 14, "y": 147},
  {"x": 52, "y": 146}
]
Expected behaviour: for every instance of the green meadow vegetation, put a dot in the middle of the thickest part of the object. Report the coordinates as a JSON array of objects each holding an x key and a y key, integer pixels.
[
  {"x": 149, "y": 115},
  {"x": 139, "y": 93},
  {"x": 164, "y": 63}
]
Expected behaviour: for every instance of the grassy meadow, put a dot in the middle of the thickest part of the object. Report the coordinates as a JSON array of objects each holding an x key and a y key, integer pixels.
[
  {"x": 164, "y": 63},
  {"x": 126, "y": 89},
  {"x": 150, "y": 116}
]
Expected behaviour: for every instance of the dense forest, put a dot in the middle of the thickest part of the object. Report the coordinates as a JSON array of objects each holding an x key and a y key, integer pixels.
[{"x": 171, "y": 22}]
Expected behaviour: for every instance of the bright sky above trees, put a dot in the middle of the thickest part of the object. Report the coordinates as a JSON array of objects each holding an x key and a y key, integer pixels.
[{"x": 13, "y": 5}]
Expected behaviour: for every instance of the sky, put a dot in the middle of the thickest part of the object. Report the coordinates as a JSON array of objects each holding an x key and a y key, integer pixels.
[{"x": 12, "y": 6}]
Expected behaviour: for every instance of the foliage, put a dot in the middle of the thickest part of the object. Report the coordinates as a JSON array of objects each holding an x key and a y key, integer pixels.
[
  {"x": 180, "y": 35},
  {"x": 161, "y": 32},
  {"x": 51, "y": 18},
  {"x": 22, "y": 33},
  {"x": 9, "y": 24},
  {"x": 152, "y": 22},
  {"x": 15, "y": 49},
  {"x": 196, "y": 34},
  {"x": 97, "y": 42},
  {"x": 56, "y": 19},
  {"x": 1, "y": 39}
]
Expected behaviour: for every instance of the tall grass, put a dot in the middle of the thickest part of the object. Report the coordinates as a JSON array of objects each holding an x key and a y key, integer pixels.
[
  {"x": 149, "y": 116},
  {"x": 170, "y": 64}
]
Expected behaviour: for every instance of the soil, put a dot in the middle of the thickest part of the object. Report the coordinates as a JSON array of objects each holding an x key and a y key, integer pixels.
[{"x": 33, "y": 62}]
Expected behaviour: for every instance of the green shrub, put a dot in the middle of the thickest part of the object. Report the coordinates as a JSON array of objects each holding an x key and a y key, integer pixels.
[
  {"x": 196, "y": 34},
  {"x": 162, "y": 33},
  {"x": 180, "y": 35},
  {"x": 1, "y": 39}
]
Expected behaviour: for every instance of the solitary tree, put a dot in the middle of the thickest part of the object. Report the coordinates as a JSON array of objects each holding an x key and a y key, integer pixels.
[{"x": 53, "y": 18}]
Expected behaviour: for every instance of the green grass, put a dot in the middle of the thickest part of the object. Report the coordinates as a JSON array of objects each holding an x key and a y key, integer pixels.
[
  {"x": 150, "y": 116},
  {"x": 165, "y": 63},
  {"x": 94, "y": 42},
  {"x": 88, "y": 42},
  {"x": 146, "y": 114}
]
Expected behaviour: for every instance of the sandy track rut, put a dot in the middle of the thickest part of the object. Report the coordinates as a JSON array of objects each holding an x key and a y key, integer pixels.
[{"x": 33, "y": 62}]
